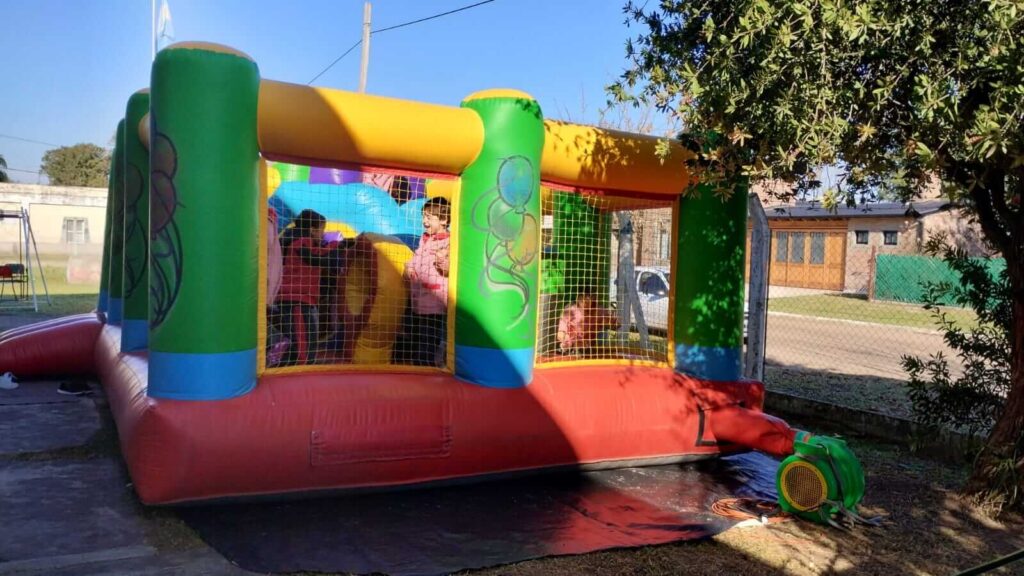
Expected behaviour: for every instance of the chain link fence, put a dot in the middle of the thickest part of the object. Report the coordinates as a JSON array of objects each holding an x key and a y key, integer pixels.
[{"x": 843, "y": 343}]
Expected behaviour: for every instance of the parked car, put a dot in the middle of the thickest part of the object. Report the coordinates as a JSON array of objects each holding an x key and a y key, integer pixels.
[{"x": 652, "y": 285}]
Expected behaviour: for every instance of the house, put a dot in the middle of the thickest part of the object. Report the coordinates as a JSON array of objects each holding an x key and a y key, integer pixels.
[
  {"x": 813, "y": 247},
  {"x": 68, "y": 224}
]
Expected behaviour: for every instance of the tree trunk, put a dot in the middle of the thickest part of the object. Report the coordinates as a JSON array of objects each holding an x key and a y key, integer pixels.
[{"x": 999, "y": 470}]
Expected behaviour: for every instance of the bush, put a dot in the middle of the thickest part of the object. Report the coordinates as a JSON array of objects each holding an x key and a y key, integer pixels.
[{"x": 970, "y": 401}]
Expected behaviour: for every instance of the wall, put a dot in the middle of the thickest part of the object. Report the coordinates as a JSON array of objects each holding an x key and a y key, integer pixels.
[
  {"x": 648, "y": 226},
  {"x": 958, "y": 228},
  {"x": 48, "y": 206},
  {"x": 858, "y": 256}
]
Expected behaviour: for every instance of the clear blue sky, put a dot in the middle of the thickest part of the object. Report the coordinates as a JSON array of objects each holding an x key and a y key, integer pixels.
[{"x": 70, "y": 65}]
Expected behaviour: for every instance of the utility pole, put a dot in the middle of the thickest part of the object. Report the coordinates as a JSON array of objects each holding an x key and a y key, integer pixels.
[
  {"x": 152, "y": 25},
  {"x": 366, "y": 47}
]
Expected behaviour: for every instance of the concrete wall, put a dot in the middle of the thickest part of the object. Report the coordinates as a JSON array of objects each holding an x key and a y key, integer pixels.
[
  {"x": 858, "y": 256},
  {"x": 649, "y": 226},
  {"x": 958, "y": 229},
  {"x": 48, "y": 207}
]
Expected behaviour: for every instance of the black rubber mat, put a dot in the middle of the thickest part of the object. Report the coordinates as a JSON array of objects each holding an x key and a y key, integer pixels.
[{"x": 443, "y": 530}]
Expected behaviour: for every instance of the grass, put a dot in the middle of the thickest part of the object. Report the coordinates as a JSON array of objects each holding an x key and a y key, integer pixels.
[
  {"x": 852, "y": 307},
  {"x": 65, "y": 298}
]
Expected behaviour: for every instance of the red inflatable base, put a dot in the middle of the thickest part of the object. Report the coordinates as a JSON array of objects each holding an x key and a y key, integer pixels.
[{"x": 352, "y": 430}]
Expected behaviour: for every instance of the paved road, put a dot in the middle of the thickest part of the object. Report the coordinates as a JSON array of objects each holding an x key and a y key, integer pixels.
[{"x": 846, "y": 347}]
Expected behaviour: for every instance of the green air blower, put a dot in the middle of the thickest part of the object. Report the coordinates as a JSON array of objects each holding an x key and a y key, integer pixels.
[{"x": 821, "y": 480}]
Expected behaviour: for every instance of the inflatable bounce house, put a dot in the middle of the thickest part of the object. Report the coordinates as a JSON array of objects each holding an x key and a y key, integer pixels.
[{"x": 228, "y": 377}]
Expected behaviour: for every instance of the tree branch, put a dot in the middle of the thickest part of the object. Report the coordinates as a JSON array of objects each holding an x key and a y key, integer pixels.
[
  {"x": 998, "y": 188},
  {"x": 966, "y": 175},
  {"x": 988, "y": 219}
]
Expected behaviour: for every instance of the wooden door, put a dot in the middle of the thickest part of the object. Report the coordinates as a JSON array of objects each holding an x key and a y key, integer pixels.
[
  {"x": 835, "y": 260},
  {"x": 808, "y": 258}
]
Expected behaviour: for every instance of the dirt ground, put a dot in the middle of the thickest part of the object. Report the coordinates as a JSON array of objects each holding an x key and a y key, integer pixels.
[{"x": 929, "y": 530}]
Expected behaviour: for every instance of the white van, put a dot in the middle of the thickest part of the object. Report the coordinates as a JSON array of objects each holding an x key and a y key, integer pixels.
[{"x": 652, "y": 285}]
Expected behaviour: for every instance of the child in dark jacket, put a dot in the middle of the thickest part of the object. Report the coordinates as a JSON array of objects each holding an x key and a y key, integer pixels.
[{"x": 298, "y": 299}]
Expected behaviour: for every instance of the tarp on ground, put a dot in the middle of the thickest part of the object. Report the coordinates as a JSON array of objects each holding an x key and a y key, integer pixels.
[{"x": 447, "y": 529}]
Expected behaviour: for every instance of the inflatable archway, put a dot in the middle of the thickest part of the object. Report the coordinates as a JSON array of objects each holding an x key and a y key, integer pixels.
[{"x": 179, "y": 336}]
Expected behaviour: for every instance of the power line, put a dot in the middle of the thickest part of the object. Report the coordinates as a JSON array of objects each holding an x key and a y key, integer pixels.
[
  {"x": 21, "y": 170},
  {"x": 336, "y": 60},
  {"x": 431, "y": 17},
  {"x": 30, "y": 141},
  {"x": 395, "y": 27}
]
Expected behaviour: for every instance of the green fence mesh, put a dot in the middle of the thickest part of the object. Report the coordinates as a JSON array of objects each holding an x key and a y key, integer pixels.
[{"x": 903, "y": 278}]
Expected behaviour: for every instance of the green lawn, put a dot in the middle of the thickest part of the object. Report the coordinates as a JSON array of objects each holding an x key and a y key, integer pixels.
[
  {"x": 849, "y": 307},
  {"x": 65, "y": 298}
]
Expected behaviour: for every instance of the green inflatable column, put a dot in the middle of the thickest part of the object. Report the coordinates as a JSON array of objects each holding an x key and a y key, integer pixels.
[
  {"x": 103, "y": 303},
  {"x": 709, "y": 284},
  {"x": 204, "y": 223},
  {"x": 115, "y": 232},
  {"x": 582, "y": 236},
  {"x": 498, "y": 244},
  {"x": 135, "y": 326}
]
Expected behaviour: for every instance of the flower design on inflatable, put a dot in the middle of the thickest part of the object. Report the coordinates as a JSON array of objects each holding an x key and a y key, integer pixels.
[
  {"x": 512, "y": 233},
  {"x": 134, "y": 269},
  {"x": 165, "y": 240}
]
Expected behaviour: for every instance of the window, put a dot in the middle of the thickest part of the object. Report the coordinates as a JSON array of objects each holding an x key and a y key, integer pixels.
[
  {"x": 817, "y": 247},
  {"x": 796, "y": 251},
  {"x": 862, "y": 236},
  {"x": 664, "y": 244},
  {"x": 890, "y": 237},
  {"x": 76, "y": 231},
  {"x": 781, "y": 246},
  {"x": 652, "y": 285}
]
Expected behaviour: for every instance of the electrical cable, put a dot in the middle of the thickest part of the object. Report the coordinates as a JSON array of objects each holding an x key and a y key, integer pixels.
[
  {"x": 410, "y": 23},
  {"x": 29, "y": 140},
  {"x": 395, "y": 27},
  {"x": 749, "y": 509}
]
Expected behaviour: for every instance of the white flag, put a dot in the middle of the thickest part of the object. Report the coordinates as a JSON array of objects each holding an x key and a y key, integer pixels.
[{"x": 164, "y": 27}]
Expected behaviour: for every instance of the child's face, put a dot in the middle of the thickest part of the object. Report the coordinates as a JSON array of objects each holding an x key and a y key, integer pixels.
[
  {"x": 317, "y": 232},
  {"x": 585, "y": 301},
  {"x": 432, "y": 223}
]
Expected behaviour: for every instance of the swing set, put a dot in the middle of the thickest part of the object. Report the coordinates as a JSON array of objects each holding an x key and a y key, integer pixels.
[{"x": 17, "y": 279}]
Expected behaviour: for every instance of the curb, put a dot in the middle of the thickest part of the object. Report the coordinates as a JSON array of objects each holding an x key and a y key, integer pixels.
[
  {"x": 855, "y": 322},
  {"x": 944, "y": 445}
]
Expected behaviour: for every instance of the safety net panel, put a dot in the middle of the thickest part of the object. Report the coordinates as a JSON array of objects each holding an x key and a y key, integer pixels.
[
  {"x": 356, "y": 268},
  {"x": 606, "y": 282}
]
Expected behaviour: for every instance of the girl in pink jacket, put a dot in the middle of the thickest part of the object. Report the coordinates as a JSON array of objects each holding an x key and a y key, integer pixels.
[{"x": 427, "y": 274}]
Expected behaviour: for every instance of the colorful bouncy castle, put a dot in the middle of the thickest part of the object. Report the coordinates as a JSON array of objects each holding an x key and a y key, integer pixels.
[{"x": 185, "y": 335}]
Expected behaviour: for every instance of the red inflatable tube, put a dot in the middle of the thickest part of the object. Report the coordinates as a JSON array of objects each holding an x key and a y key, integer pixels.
[
  {"x": 327, "y": 431},
  {"x": 52, "y": 348},
  {"x": 355, "y": 430},
  {"x": 7, "y": 335},
  {"x": 756, "y": 430}
]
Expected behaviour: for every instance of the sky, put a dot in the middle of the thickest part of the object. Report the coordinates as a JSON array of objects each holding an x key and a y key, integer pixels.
[{"x": 69, "y": 66}]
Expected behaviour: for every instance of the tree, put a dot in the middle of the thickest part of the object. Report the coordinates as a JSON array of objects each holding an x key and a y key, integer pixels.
[
  {"x": 78, "y": 165},
  {"x": 3, "y": 169},
  {"x": 889, "y": 91},
  {"x": 973, "y": 398}
]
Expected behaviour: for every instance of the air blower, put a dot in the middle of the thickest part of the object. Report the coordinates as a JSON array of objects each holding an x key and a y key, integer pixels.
[{"x": 821, "y": 481}]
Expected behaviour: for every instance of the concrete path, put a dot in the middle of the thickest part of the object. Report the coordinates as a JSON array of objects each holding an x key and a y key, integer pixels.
[{"x": 66, "y": 503}]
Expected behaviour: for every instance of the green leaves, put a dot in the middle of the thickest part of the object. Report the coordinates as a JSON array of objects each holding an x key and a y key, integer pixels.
[
  {"x": 868, "y": 84},
  {"x": 78, "y": 165}
]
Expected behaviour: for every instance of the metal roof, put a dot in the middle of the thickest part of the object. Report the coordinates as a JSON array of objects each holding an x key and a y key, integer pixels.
[{"x": 814, "y": 209}]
